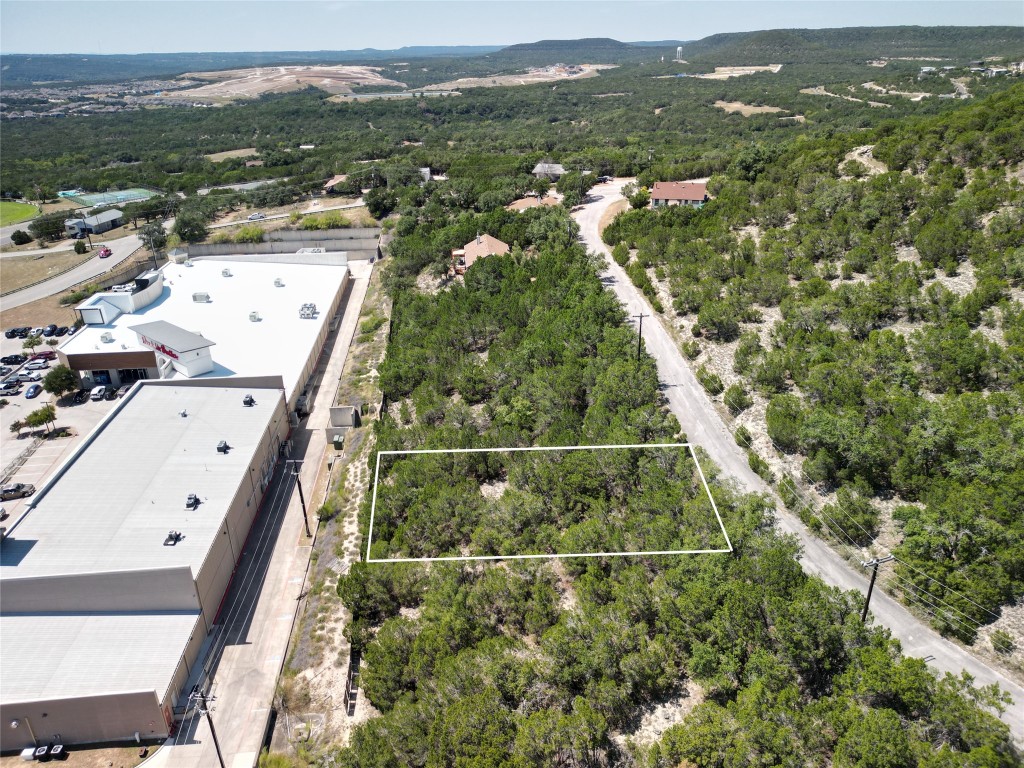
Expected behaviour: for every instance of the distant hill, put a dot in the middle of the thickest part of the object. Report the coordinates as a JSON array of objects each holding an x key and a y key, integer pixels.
[
  {"x": 584, "y": 44},
  {"x": 26, "y": 69},
  {"x": 809, "y": 46}
]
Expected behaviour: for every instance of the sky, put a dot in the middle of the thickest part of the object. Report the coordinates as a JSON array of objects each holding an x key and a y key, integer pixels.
[{"x": 164, "y": 26}]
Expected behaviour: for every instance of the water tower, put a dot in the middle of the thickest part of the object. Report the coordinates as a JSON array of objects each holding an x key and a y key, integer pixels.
[{"x": 679, "y": 53}]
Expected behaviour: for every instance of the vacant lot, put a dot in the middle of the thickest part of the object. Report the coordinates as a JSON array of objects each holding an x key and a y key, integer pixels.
[
  {"x": 745, "y": 109},
  {"x": 218, "y": 157},
  {"x": 15, "y": 213},
  {"x": 20, "y": 271}
]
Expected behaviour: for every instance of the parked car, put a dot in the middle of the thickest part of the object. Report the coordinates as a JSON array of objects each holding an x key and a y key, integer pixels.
[
  {"x": 80, "y": 396},
  {"x": 46, "y": 354},
  {"x": 17, "y": 491},
  {"x": 105, "y": 252},
  {"x": 124, "y": 390},
  {"x": 110, "y": 394},
  {"x": 28, "y": 376},
  {"x": 23, "y": 332},
  {"x": 257, "y": 216},
  {"x": 36, "y": 331},
  {"x": 13, "y": 359},
  {"x": 49, "y": 330},
  {"x": 10, "y": 333},
  {"x": 72, "y": 330},
  {"x": 98, "y": 393},
  {"x": 10, "y": 387},
  {"x": 5, "y": 369},
  {"x": 603, "y": 179},
  {"x": 33, "y": 391},
  {"x": 62, "y": 331},
  {"x": 36, "y": 365}
]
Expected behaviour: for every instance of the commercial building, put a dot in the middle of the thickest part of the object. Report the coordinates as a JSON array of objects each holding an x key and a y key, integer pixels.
[
  {"x": 210, "y": 318},
  {"x": 94, "y": 225},
  {"x": 114, "y": 575}
]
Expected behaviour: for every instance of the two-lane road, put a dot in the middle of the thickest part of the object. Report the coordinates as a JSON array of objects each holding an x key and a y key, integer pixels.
[{"x": 704, "y": 427}]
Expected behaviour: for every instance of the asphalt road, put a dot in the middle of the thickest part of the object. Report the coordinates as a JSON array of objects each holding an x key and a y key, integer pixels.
[{"x": 704, "y": 427}]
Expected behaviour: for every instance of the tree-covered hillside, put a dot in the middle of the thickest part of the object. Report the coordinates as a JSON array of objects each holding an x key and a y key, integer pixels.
[
  {"x": 874, "y": 321},
  {"x": 555, "y": 663}
]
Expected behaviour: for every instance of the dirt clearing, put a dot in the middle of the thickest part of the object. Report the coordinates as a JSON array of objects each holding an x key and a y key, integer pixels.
[
  {"x": 218, "y": 157},
  {"x": 531, "y": 77},
  {"x": 746, "y": 109},
  {"x": 724, "y": 73},
  {"x": 252, "y": 83}
]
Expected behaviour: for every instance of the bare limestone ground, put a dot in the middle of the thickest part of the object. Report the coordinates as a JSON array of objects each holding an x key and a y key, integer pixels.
[{"x": 718, "y": 358}]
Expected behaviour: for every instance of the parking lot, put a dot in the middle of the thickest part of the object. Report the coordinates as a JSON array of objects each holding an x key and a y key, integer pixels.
[{"x": 79, "y": 419}]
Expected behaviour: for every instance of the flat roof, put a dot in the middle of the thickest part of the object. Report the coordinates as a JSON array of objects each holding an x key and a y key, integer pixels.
[
  {"x": 111, "y": 506},
  {"x": 279, "y": 344},
  {"x": 177, "y": 339},
  {"x": 59, "y": 656}
]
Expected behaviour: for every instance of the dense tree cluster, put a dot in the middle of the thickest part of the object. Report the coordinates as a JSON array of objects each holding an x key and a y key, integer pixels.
[
  {"x": 881, "y": 375},
  {"x": 527, "y": 663}
]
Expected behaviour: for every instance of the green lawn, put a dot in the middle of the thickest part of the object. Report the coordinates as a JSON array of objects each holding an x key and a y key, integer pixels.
[{"x": 14, "y": 213}]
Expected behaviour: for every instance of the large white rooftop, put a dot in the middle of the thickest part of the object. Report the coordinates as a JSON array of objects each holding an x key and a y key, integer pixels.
[
  {"x": 278, "y": 344},
  {"x": 57, "y": 656},
  {"x": 113, "y": 504}
]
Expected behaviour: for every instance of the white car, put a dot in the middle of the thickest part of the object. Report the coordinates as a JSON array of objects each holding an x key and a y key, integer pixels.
[
  {"x": 37, "y": 332},
  {"x": 37, "y": 365},
  {"x": 257, "y": 216},
  {"x": 98, "y": 393}
]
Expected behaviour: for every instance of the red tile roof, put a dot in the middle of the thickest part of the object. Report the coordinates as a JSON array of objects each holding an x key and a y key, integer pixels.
[{"x": 680, "y": 190}]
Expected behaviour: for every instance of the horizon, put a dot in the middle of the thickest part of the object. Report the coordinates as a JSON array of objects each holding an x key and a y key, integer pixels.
[{"x": 157, "y": 27}]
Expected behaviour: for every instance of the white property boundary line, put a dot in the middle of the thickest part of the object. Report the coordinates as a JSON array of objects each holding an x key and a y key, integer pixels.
[{"x": 688, "y": 446}]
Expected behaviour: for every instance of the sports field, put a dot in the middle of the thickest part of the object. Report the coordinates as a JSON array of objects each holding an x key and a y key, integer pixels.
[
  {"x": 15, "y": 213},
  {"x": 109, "y": 198}
]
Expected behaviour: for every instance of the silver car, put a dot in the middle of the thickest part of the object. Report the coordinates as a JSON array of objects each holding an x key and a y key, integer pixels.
[{"x": 17, "y": 491}]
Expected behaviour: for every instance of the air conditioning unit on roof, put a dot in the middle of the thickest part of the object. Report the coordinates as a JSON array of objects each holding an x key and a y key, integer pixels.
[
  {"x": 226, "y": 272},
  {"x": 106, "y": 337},
  {"x": 201, "y": 297},
  {"x": 255, "y": 317}
]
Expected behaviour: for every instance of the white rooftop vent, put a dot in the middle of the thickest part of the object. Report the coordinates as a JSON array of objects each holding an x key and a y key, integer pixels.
[
  {"x": 226, "y": 272},
  {"x": 106, "y": 337},
  {"x": 255, "y": 317},
  {"x": 188, "y": 262},
  {"x": 201, "y": 298},
  {"x": 278, "y": 282}
]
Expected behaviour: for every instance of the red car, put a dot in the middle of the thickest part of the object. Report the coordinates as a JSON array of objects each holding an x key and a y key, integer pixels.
[{"x": 104, "y": 252}]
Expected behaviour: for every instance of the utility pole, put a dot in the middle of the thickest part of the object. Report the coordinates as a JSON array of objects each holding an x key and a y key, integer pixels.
[
  {"x": 302, "y": 499},
  {"x": 639, "y": 336},
  {"x": 204, "y": 709},
  {"x": 873, "y": 564}
]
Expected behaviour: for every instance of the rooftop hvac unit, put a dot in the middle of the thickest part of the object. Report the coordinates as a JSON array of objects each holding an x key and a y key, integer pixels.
[
  {"x": 201, "y": 297},
  {"x": 223, "y": 447},
  {"x": 226, "y": 272},
  {"x": 255, "y": 317},
  {"x": 192, "y": 502},
  {"x": 188, "y": 262},
  {"x": 173, "y": 537},
  {"x": 278, "y": 282},
  {"x": 248, "y": 401},
  {"x": 106, "y": 337}
]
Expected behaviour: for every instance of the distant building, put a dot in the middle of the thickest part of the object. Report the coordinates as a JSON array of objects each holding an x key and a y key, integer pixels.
[
  {"x": 94, "y": 225},
  {"x": 690, "y": 193},
  {"x": 552, "y": 171},
  {"x": 996, "y": 71},
  {"x": 331, "y": 183},
  {"x": 484, "y": 245}
]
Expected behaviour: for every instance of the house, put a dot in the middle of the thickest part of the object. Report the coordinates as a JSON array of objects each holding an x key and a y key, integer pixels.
[
  {"x": 484, "y": 245},
  {"x": 94, "y": 225},
  {"x": 551, "y": 171},
  {"x": 692, "y": 193},
  {"x": 330, "y": 184}
]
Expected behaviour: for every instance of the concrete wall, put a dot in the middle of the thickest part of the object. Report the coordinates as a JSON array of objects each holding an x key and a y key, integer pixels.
[
  {"x": 112, "y": 717},
  {"x": 165, "y": 589},
  {"x": 189, "y": 657}
]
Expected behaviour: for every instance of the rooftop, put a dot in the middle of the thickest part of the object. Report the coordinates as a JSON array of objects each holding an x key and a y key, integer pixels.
[
  {"x": 177, "y": 339},
  {"x": 679, "y": 190},
  {"x": 484, "y": 245},
  {"x": 56, "y": 656},
  {"x": 141, "y": 463},
  {"x": 243, "y": 346}
]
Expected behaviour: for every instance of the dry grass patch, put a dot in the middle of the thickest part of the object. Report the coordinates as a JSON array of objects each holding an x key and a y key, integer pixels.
[
  {"x": 746, "y": 109},
  {"x": 19, "y": 271},
  {"x": 218, "y": 157}
]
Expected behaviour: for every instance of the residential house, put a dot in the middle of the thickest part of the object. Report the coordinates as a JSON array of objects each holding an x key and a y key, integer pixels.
[
  {"x": 692, "y": 193},
  {"x": 551, "y": 171},
  {"x": 484, "y": 245}
]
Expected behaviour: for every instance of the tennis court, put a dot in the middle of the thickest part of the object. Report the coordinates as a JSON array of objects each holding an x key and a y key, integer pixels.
[{"x": 109, "y": 198}]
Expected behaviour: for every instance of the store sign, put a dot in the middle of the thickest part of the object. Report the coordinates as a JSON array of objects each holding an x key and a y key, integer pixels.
[{"x": 161, "y": 348}]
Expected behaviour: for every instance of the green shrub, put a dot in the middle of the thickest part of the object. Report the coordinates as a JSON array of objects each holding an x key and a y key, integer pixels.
[
  {"x": 743, "y": 437},
  {"x": 221, "y": 237},
  {"x": 372, "y": 323},
  {"x": 737, "y": 400},
  {"x": 621, "y": 254},
  {"x": 1002, "y": 642},
  {"x": 691, "y": 349},
  {"x": 20, "y": 237},
  {"x": 710, "y": 380},
  {"x": 250, "y": 233},
  {"x": 760, "y": 466},
  {"x": 80, "y": 247}
]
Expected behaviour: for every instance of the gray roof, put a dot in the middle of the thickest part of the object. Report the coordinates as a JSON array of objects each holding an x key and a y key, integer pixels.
[
  {"x": 106, "y": 216},
  {"x": 58, "y": 656},
  {"x": 548, "y": 168},
  {"x": 172, "y": 336},
  {"x": 111, "y": 505}
]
